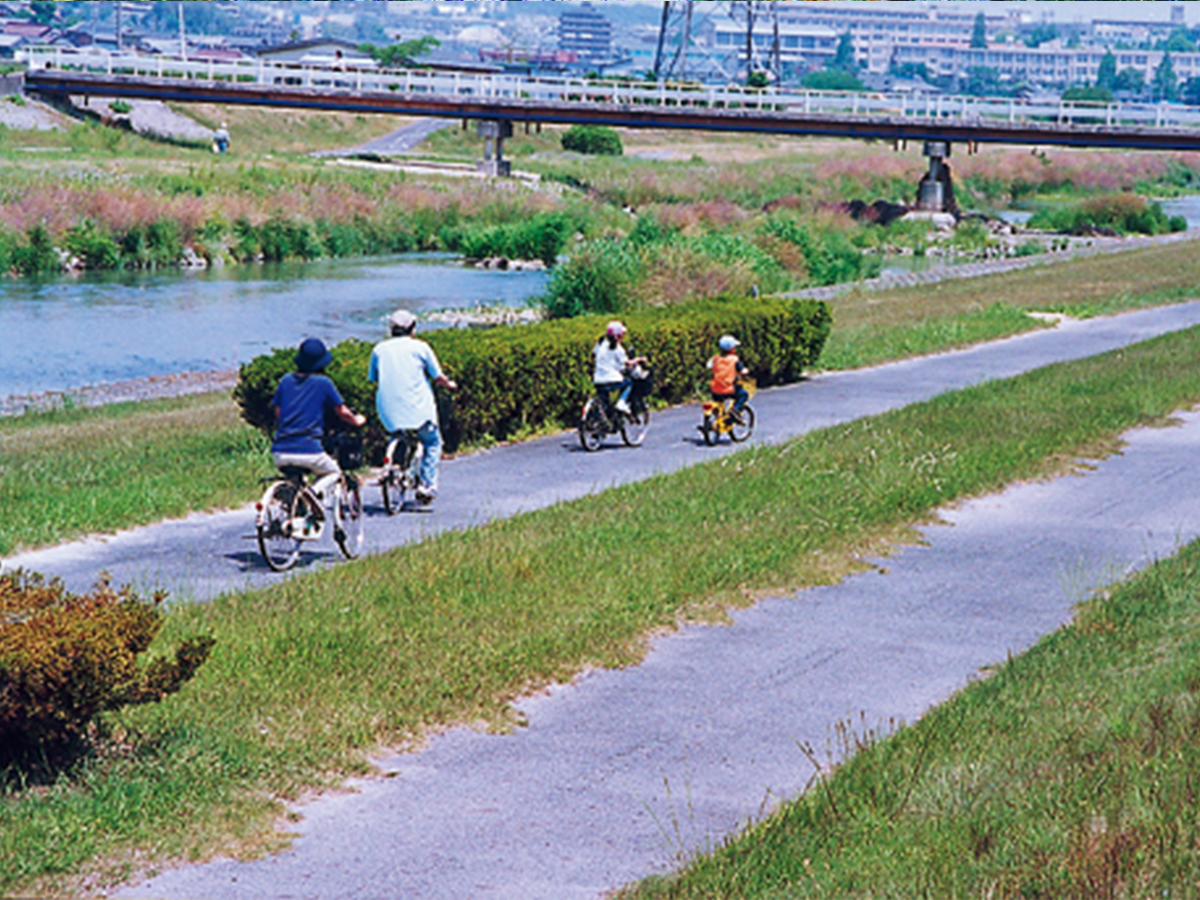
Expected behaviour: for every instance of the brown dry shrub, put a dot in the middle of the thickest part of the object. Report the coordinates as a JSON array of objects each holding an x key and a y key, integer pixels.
[{"x": 66, "y": 658}]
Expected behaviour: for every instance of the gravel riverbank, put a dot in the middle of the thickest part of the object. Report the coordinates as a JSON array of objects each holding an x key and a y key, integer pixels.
[{"x": 152, "y": 388}]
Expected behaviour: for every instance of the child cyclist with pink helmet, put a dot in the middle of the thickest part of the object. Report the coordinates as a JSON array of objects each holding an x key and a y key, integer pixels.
[{"x": 613, "y": 364}]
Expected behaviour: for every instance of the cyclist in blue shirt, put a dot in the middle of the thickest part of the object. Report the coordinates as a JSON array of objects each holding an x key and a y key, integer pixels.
[
  {"x": 405, "y": 370},
  {"x": 305, "y": 402}
]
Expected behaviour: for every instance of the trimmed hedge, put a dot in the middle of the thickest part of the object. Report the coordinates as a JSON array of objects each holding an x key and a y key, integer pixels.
[
  {"x": 523, "y": 377},
  {"x": 65, "y": 658}
]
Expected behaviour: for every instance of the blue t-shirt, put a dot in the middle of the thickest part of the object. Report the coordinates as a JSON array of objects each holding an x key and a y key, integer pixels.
[{"x": 305, "y": 403}]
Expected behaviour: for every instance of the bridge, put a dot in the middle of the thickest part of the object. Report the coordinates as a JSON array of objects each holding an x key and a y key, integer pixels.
[{"x": 500, "y": 101}]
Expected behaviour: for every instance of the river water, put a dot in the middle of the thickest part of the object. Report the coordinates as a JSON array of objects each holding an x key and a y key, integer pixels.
[{"x": 70, "y": 332}]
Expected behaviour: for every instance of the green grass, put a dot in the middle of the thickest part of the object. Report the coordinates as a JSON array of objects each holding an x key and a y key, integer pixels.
[
  {"x": 310, "y": 675},
  {"x": 1073, "y": 771},
  {"x": 74, "y": 472},
  {"x": 870, "y": 327}
]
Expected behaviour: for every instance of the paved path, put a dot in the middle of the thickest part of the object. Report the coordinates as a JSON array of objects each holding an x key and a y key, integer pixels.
[
  {"x": 397, "y": 143},
  {"x": 622, "y": 771}
]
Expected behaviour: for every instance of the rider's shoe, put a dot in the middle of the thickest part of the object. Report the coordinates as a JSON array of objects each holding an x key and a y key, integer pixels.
[
  {"x": 425, "y": 495},
  {"x": 622, "y": 406}
]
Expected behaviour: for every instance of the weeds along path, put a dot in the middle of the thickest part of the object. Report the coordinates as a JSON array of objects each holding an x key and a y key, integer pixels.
[
  {"x": 624, "y": 773},
  {"x": 204, "y": 555}
]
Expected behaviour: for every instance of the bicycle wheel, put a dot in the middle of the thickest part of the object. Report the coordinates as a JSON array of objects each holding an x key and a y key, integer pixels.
[
  {"x": 709, "y": 429},
  {"x": 348, "y": 519},
  {"x": 591, "y": 428},
  {"x": 741, "y": 424},
  {"x": 391, "y": 482},
  {"x": 635, "y": 425},
  {"x": 280, "y": 506}
]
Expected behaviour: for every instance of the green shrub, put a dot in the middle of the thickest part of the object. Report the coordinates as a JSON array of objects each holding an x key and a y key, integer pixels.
[
  {"x": 541, "y": 237},
  {"x": 830, "y": 258},
  {"x": 528, "y": 376},
  {"x": 93, "y": 245},
  {"x": 597, "y": 278},
  {"x": 64, "y": 659},
  {"x": 158, "y": 243},
  {"x": 594, "y": 140},
  {"x": 38, "y": 256},
  {"x": 1122, "y": 213}
]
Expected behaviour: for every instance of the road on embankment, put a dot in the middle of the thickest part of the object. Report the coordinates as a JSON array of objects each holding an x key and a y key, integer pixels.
[{"x": 621, "y": 773}]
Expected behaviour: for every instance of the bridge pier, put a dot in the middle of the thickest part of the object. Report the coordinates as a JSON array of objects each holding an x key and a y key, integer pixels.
[
  {"x": 493, "y": 132},
  {"x": 935, "y": 193}
]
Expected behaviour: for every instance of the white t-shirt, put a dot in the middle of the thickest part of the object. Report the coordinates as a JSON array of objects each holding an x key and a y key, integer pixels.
[
  {"x": 610, "y": 363},
  {"x": 403, "y": 367}
]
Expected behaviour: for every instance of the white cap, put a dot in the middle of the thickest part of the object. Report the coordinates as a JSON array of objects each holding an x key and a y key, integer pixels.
[{"x": 402, "y": 319}]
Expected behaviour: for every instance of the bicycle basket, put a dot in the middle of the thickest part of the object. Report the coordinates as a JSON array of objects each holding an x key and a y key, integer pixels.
[
  {"x": 348, "y": 450},
  {"x": 642, "y": 378}
]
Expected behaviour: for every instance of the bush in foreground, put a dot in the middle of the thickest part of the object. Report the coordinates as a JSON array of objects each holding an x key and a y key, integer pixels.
[{"x": 64, "y": 659}]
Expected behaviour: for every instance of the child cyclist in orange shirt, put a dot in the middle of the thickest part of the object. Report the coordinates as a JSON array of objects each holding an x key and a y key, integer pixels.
[{"x": 726, "y": 368}]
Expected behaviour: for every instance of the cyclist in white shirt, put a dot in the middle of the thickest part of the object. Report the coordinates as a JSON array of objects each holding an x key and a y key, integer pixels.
[
  {"x": 613, "y": 365},
  {"x": 406, "y": 370}
]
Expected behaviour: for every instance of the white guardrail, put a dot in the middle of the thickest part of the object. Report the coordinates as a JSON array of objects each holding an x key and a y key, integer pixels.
[{"x": 623, "y": 94}]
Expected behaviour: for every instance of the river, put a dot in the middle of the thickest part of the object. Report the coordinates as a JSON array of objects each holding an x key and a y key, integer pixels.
[{"x": 68, "y": 332}]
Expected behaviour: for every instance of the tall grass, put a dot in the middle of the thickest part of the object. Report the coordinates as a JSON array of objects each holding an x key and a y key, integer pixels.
[{"x": 308, "y": 676}]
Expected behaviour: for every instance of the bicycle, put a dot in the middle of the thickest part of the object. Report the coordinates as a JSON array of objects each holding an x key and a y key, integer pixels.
[
  {"x": 399, "y": 475},
  {"x": 600, "y": 418},
  {"x": 290, "y": 514},
  {"x": 720, "y": 417}
]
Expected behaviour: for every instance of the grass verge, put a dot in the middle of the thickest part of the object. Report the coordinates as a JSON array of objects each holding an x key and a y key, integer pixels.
[
  {"x": 870, "y": 327},
  {"x": 310, "y": 675},
  {"x": 68, "y": 473},
  {"x": 1072, "y": 772}
]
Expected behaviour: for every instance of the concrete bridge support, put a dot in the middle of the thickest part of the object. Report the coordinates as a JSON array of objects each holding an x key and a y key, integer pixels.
[
  {"x": 493, "y": 132},
  {"x": 936, "y": 190}
]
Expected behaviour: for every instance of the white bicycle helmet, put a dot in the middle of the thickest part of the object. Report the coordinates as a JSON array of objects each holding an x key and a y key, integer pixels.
[
  {"x": 616, "y": 329},
  {"x": 728, "y": 342}
]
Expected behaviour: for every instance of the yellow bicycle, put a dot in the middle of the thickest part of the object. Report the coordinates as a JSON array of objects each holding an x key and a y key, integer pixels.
[{"x": 720, "y": 417}]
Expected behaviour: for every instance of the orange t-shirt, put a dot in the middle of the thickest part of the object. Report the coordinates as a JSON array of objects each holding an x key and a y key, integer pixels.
[{"x": 725, "y": 371}]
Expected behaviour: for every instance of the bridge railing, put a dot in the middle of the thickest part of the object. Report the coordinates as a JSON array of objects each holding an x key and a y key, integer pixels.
[{"x": 603, "y": 93}]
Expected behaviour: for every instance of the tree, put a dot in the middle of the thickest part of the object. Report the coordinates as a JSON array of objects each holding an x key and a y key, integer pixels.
[
  {"x": 1106, "y": 74},
  {"x": 1130, "y": 80},
  {"x": 1040, "y": 34},
  {"x": 1166, "y": 85},
  {"x": 979, "y": 33},
  {"x": 44, "y": 11},
  {"x": 985, "y": 82},
  {"x": 1191, "y": 92},
  {"x": 1088, "y": 94},
  {"x": 402, "y": 54},
  {"x": 843, "y": 59},
  {"x": 831, "y": 80}
]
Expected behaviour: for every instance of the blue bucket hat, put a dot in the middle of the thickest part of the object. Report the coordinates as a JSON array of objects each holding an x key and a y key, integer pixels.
[{"x": 313, "y": 356}]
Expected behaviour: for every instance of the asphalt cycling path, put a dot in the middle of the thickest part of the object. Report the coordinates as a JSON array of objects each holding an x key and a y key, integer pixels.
[{"x": 622, "y": 773}]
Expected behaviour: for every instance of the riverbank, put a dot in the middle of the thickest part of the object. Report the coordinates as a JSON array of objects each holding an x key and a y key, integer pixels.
[{"x": 132, "y": 390}]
